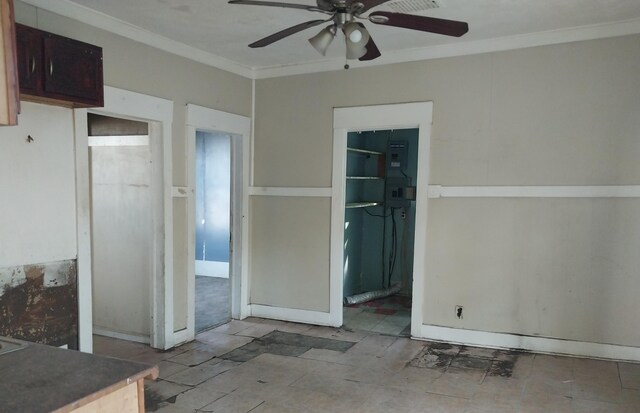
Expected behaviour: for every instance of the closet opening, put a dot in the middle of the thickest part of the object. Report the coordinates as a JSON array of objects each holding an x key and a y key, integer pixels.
[{"x": 379, "y": 231}]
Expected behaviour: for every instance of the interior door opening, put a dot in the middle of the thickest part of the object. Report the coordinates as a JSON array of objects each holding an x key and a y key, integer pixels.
[
  {"x": 212, "y": 229},
  {"x": 122, "y": 238},
  {"x": 379, "y": 231}
]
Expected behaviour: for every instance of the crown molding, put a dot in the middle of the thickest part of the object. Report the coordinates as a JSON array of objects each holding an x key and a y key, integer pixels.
[
  {"x": 111, "y": 24},
  {"x": 105, "y": 22},
  {"x": 574, "y": 34}
]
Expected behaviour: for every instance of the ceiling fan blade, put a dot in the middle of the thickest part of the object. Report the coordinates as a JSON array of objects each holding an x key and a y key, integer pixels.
[
  {"x": 368, "y": 4},
  {"x": 274, "y": 4},
  {"x": 423, "y": 23},
  {"x": 286, "y": 32},
  {"x": 372, "y": 50}
]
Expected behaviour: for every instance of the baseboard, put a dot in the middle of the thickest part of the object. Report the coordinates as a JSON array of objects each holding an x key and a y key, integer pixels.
[
  {"x": 212, "y": 269},
  {"x": 182, "y": 336},
  {"x": 122, "y": 336},
  {"x": 291, "y": 314},
  {"x": 530, "y": 343}
]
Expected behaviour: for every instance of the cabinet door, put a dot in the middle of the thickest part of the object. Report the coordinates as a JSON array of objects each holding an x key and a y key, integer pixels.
[
  {"x": 29, "y": 42},
  {"x": 73, "y": 69}
]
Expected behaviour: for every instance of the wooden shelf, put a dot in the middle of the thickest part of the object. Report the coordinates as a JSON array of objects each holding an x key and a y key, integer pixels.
[
  {"x": 364, "y": 178},
  {"x": 351, "y": 205},
  {"x": 364, "y": 151}
]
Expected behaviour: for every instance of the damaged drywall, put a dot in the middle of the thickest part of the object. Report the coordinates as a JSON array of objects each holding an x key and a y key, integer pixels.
[{"x": 39, "y": 303}]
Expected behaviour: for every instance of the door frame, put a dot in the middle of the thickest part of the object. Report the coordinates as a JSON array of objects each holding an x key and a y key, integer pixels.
[
  {"x": 158, "y": 113},
  {"x": 200, "y": 118},
  {"x": 370, "y": 118}
]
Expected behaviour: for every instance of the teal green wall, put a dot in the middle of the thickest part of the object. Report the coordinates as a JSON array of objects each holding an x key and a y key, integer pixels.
[{"x": 364, "y": 231}]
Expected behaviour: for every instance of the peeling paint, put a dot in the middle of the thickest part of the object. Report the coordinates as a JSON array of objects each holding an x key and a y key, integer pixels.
[
  {"x": 39, "y": 303},
  {"x": 11, "y": 277},
  {"x": 59, "y": 274}
]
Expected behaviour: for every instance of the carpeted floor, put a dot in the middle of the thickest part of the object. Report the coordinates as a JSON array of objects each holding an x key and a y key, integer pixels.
[{"x": 212, "y": 302}]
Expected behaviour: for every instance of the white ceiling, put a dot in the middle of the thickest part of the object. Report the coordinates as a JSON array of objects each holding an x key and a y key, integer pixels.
[{"x": 222, "y": 31}]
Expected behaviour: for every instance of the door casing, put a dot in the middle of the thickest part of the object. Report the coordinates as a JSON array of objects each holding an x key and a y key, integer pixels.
[{"x": 369, "y": 118}]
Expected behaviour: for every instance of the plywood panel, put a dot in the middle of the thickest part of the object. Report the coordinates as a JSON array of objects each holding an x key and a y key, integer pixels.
[{"x": 124, "y": 400}]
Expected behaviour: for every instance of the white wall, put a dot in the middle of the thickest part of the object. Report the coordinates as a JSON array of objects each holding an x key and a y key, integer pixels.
[
  {"x": 555, "y": 115},
  {"x": 37, "y": 187},
  {"x": 122, "y": 239}
]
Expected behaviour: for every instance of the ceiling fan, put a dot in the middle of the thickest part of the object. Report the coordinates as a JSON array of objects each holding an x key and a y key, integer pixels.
[{"x": 343, "y": 15}]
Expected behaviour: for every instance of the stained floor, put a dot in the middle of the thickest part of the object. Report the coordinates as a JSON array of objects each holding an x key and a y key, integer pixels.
[
  {"x": 212, "y": 302},
  {"x": 390, "y": 315},
  {"x": 300, "y": 368}
]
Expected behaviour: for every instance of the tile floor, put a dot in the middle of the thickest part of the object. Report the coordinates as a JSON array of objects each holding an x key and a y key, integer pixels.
[
  {"x": 264, "y": 366},
  {"x": 390, "y": 315}
]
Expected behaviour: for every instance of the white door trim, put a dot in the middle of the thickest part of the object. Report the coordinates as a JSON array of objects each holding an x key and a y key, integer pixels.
[
  {"x": 381, "y": 117},
  {"x": 159, "y": 113},
  {"x": 239, "y": 127},
  {"x": 83, "y": 231}
]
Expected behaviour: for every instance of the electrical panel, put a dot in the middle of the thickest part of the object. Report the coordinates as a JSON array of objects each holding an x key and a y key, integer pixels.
[
  {"x": 397, "y": 155},
  {"x": 397, "y": 193}
]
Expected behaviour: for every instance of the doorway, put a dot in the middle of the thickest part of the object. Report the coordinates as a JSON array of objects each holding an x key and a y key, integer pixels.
[
  {"x": 122, "y": 235},
  {"x": 393, "y": 117},
  {"x": 212, "y": 229},
  {"x": 380, "y": 184},
  {"x": 238, "y": 130}
]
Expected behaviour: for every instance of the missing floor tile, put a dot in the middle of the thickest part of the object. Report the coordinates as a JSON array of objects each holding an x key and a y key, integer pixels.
[
  {"x": 444, "y": 348},
  {"x": 502, "y": 368},
  {"x": 431, "y": 360},
  {"x": 285, "y": 344},
  {"x": 442, "y": 356},
  {"x": 474, "y": 363}
]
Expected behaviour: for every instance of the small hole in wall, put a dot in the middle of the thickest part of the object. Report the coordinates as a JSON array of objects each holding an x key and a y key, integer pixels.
[{"x": 459, "y": 312}]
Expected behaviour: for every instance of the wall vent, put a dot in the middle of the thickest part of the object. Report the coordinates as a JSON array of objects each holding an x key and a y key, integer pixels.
[{"x": 412, "y": 6}]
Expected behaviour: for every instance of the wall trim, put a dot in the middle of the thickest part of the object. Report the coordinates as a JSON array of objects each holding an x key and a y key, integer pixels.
[
  {"x": 568, "y": 35},
  {"x": 122, "y": 336},
  {"x": 119, "y": 140},
  {"x": 600, "y": 191},
  {"x": 181, "y": 192},
  {"x": 293, "y": 314},
  {"x": 379, "y": 117},
  {"x": 83, "y": 231},
  {"x": 531, "y": 343},
  {"x": 158, "y": 113},
  {"x": 182, "y": 336},
  {"x": 199, "y": 118},
  {"x": 290, "y": 191}
]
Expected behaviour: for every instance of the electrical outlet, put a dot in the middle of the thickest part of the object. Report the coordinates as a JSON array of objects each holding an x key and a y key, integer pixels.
[
  {"x": 458, "y": 313},
  {"x": 403, "y": 214}
]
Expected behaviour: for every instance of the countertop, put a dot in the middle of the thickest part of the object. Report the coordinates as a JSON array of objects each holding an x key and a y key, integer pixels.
[{"x": 40, "y": 378}]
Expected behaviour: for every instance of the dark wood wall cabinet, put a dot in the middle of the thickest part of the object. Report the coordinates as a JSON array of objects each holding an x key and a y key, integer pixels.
[{"x": 58, "y": 70}]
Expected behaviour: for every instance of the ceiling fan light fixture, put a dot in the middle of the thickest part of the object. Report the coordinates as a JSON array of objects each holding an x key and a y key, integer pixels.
[
  {"x": 356, "y": 34},
  {"x": 354, "y": 53},
  {"x": 356, "y": 37},
  {"x": 322, "y": 40}
]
